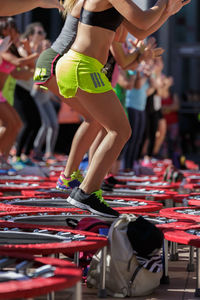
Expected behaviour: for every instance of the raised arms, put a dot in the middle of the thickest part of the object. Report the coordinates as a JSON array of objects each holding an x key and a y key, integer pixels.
[
  {"x": 142, "y": 19},
  {"x": 142, "y": 34},
  {"x": 143, "y": 23}
]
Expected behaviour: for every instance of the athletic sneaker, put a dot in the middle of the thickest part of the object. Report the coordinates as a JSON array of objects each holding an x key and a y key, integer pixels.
[
  {"x": 93, "y": 202},
  {"x": 28, "y": 162},
  {"x": 67, "y": 183},
  {"x": 113, "y": 181},
  {"x": 18, "y": 164},
  {"x": 107, "y": 186}
]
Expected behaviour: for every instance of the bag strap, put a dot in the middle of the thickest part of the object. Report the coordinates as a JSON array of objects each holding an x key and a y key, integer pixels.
[{"x": 133, "y": 278}]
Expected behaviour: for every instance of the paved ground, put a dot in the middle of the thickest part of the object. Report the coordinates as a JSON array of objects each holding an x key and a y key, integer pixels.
[{"x": 181, "y": 287}]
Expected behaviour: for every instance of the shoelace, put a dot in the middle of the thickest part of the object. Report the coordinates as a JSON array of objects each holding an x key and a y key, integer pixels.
[{"x": 98, "y": 194}]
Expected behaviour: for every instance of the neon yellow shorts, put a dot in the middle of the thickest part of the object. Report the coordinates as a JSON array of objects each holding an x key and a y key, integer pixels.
[{"x": 75, "y": 70}]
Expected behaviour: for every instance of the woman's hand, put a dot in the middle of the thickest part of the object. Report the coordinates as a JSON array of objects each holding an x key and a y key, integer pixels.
[
  {"x": 26, "y": 46},
  {"x": 173, "y": 6},
  {"x": 157, "y": 52}
]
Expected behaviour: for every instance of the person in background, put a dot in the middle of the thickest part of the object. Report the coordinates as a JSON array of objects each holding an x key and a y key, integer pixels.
[
  {"x": 155, "y": 125},
  {"x": 48, "y": 132},
  {"x": 136, "y": 103},
  {"x": 23, "y": 102},
  {"x": 170, "y": 108},
  {"x": 10, "y": 122},
  {"x": 15, "y": 66}
]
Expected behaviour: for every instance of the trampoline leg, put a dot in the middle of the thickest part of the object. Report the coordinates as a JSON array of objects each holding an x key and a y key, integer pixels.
[
  {"x": 197, "y": 291},
  {"x": 76, "y": 258},
  {"x": 78, "y": 291},
  {"x": 174, "y": 253},
  {"x": 190, "y": 266},
  {"x": 102, "y": 290},
  {"x": 51, "y": 296},
  {"x": 165, "y": 277},
  {"x": 169, "y": 203}
]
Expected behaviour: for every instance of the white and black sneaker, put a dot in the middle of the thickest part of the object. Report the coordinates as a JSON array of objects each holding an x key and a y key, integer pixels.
[{"x": 93, "y": 202}]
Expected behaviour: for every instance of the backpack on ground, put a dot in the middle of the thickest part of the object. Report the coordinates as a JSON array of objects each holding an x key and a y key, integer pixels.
[{"x": 127, "y": 273}]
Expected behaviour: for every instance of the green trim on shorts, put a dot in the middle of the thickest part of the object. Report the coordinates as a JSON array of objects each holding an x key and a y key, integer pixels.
[{"x": 75, "y": 70}]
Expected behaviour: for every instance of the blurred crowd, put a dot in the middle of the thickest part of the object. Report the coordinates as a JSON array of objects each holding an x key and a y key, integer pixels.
[{"x": 29, "y": 124}]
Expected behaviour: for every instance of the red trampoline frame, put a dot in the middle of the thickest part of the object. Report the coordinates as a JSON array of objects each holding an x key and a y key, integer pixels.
[
  {"x": 37, "y": 185},
  {"x": 182, "y": 237},
  {"x": 171, "y": 213},
  {"x": 92, "y": 241},
  {"x": 157, "y": 197},
  {"x": 66, "y": 275},
  {"x": 165, "y": 187},
  {"x": 179, "y": 225},
  {"x": 150, "y": 207}
]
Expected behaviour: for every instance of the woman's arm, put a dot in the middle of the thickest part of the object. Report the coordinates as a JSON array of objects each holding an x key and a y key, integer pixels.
[
  {"x": 142, "y": 34},
  {"x": 20, "y": 61},
  {"x": 145, "y": 19},
  {"x": 14, "y": 7},
  {"x": 142, "y": 19},
  {"x": 122, "y": 58},
  {"x": 22, "y": 74}
]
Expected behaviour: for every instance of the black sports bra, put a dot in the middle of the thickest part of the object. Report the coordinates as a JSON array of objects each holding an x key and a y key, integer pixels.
[{"x": 109, "y": 18}]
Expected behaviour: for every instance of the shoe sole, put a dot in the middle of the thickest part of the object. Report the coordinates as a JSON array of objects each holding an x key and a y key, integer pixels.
[
  {"x": 63, "y": 190},
  {"x": 87, "y": 207}
]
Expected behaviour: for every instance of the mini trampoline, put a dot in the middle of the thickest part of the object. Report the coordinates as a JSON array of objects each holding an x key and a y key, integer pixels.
[
  {"x": 25, "y": 276},
  {"x": 45, "y": 193},
  {"x": 167, "y": 223},
  {"x": 43, "y": 240},
  {"x": 147, "y": 194},
  {"x": 189, "y": 237},
  {"x": 48, "y": 216},
  {"x": 133, "y": 178},
  {"x": 191, "y": 213},
  {"x": 127, "y": 205},
  {"x": 15, "y": 186},
  {"x": 47, "y": 240},
  {"x": 20, "y": 178},
  {"x": 148, "y": 184},
  {"x": 193, "y": 200}
]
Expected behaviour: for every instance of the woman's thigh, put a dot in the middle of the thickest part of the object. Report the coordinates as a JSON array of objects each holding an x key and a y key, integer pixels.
[
  {"x": 7, "y": 113},
  {"x": 105, "y": 109},
  {"x": 72, "y": 102}
]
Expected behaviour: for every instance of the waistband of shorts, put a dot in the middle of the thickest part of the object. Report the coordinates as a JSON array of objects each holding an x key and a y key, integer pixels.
[{"x": 86, "y": 58}]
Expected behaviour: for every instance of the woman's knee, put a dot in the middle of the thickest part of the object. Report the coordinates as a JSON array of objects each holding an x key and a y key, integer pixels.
[
  {"x": 124, "y": 132},
  {"x": 92, "y": 124}
]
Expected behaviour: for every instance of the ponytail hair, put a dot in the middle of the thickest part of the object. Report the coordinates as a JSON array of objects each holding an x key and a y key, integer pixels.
[{"x": 68, "y": 6}]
